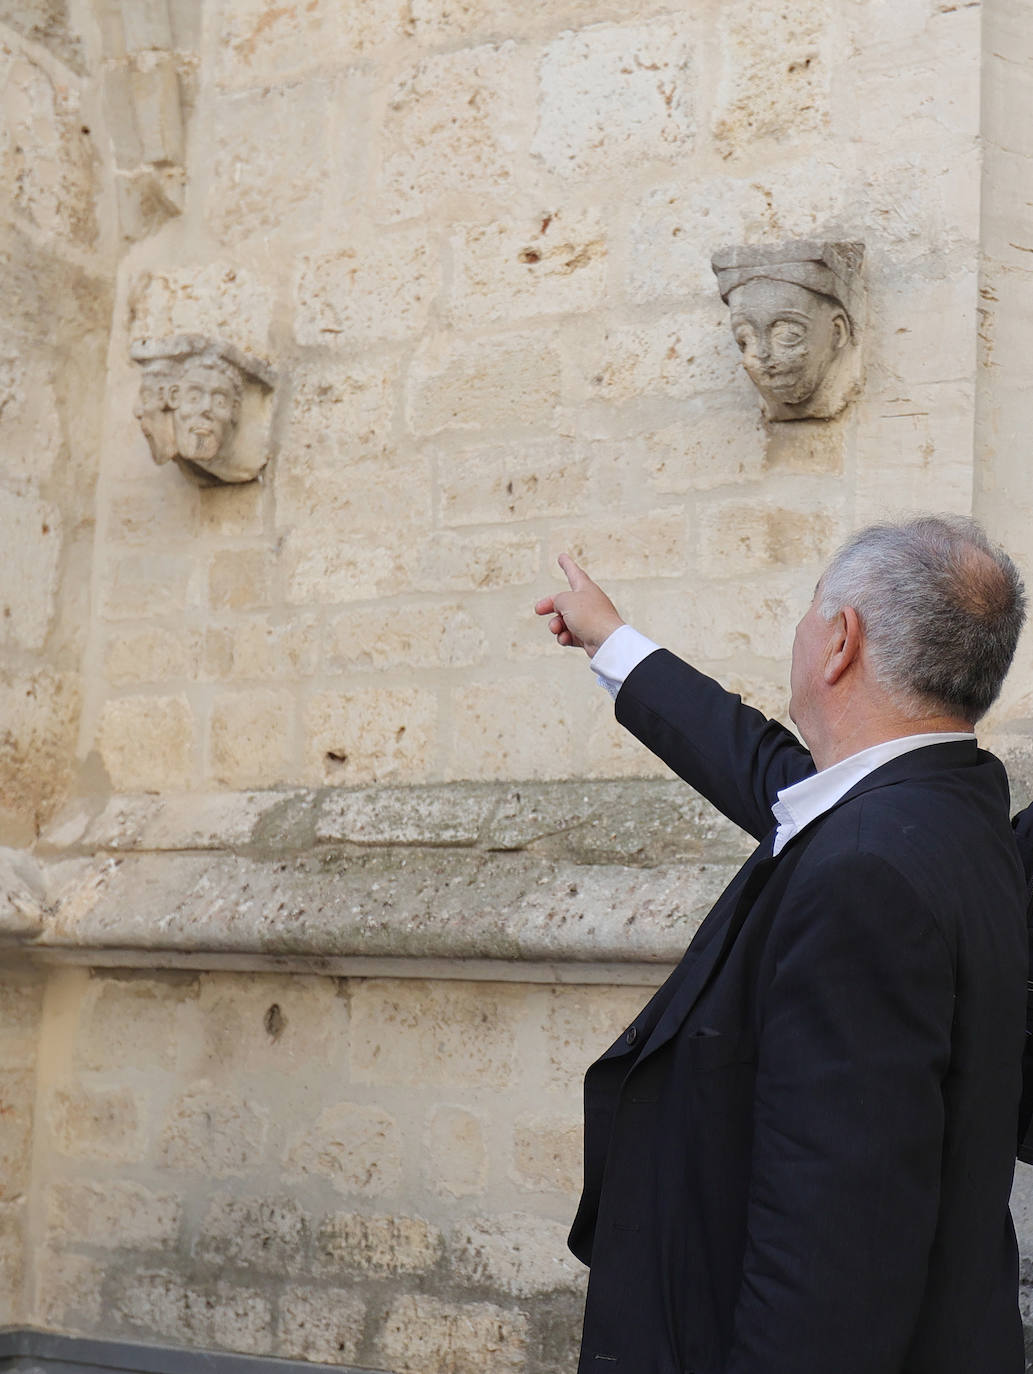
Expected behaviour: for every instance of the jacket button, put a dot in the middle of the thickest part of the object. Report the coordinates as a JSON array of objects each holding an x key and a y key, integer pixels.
[{"x": 632, "y": 1035}]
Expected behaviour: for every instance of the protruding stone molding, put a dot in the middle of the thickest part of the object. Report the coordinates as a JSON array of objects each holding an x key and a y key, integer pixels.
[
  {"x": 198, "y": 407},
  {"x": 798, "y": 316},
  {"x": 557, "y": 875},
  {"x": 144, "y": 108}
]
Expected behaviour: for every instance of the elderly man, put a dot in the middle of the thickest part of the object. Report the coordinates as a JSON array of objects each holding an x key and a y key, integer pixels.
[{"x": 798, "y": 1157}]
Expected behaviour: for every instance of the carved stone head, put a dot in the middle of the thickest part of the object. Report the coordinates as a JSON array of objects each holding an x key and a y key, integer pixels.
[
  {"x": 796, "y": 314},
  {"x": 191, "y": 394}
]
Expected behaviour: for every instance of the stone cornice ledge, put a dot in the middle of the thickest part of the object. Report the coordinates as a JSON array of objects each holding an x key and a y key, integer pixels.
[{"x": 559, "y": 874}]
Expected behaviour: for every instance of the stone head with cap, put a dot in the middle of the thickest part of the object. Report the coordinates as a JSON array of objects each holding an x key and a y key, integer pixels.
[{"x": 796, "y": 315}]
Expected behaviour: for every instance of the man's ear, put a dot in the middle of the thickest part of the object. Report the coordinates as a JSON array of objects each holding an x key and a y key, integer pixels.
[
  {"x": 172, "y": 396},
  {"x": 844, "y": 647},
  {"x": 840, "y": 330}
]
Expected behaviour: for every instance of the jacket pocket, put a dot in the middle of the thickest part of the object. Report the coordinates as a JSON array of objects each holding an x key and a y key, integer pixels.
[{"x": 705, "y": 1048}]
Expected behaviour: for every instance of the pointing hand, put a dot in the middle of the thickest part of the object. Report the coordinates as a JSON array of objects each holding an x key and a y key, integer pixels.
[{"x": 582, "y": 617}]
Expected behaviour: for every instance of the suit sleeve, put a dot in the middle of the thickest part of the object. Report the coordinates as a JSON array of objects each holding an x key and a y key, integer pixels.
[
  {"x": 854, "y": 1041},
  {"x": 1022, "y": 824},
  {"x": 737, "y": 758}
]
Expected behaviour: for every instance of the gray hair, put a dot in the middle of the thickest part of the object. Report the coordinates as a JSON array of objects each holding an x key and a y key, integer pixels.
[{"x": 941, "y": 607}]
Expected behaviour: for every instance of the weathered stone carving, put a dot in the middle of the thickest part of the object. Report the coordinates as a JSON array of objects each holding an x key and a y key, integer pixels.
[
  {"x": 191, "y": 397},
  {"x": 797, "y": 311}
]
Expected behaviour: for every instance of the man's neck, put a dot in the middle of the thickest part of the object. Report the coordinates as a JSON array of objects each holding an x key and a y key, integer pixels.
[{"x": 844, "y": 742}]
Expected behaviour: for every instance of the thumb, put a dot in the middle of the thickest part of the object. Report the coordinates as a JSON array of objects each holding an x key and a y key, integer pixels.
[{"x": 577, "y": 577}]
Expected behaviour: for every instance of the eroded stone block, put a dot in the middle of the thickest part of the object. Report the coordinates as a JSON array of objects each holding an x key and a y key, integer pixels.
[
  {"x": 423, "y": 1335},
  {"x": 367, "y": 291},
  {"x": 261, "y": 1234},
  {"x": 97, "y": 1123},
  {"x": 457, "y": 1155},
  {"x": 616, "y": 96},
  {"x": 112, "y": 1215},
  {"x": 518, "y": 1254},
  {"x": 147, "y": 743},
  {"x": 212, "y": 1132},
  {"x": 393, "y": 1245},
  {"x": 420, "y": 1033},
  {"x": 324, "y": 1324},
  {"x": 370, "y": 735},
  {"x": 356, "y": 1147},
  {"x": 547, "y": 1156},
  {"x": 456, "y": 384}
]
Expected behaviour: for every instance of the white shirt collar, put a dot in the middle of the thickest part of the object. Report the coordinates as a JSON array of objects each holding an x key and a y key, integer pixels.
[{"x": 805, "y": 801}]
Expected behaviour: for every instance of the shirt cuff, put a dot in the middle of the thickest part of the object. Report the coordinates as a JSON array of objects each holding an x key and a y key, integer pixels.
[{"x": 617, "y": 655}]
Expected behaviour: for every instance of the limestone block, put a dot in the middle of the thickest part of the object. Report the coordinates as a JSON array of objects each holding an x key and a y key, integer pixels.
[
  {"x": 142, "y": 585},
  {"x": 220, "y": 299},
  {"x": 154, "y": 84},
  {"x": 552, "y": 264},
  {"x": 159, "y": 1304},
  {"x": 373, "y": 734},
  {"x": 367, "y": 290},
  {"x": 776, "y": 71},
  {"x": 581, "y": 1024},
  {"x": 626, "y": 546},
  {"x": 146, "y": 511},
  {"x": 613, "y": 97},
  {"x": 237, "y": 509},
  {"x": 474, "y": 98},
  {"x": 250, "y": 738},
  {"x": 214, "y": 1132},
  {"x": 405, "y": 815},
  {"x": 134, "y": 1024},
  {"x": 45, "y": 155},
  {"x": 112, "y": 1215},
  {"x": 547, "y": 1156},
  {"x": 350, "y": 1242},
  {"x": 479, "y": 562},
  {"x": 152, "y": 655},
  {"x": 28, "y": 574},
  {"x": 266, "y": 1025},
  {"x": 30, "y": 426},
  {"x": 422, "y": 635},
  {"x": 145, "y": 24},
  {"x": 340, "y": 494},
  {"x": 49, "y": 23},
  {"x": 147, "y": 743},
  {"x": 715, "y": 446},
  {"x": 520, "y": 1254},
  {"x": 423, "y": 1335},
  {"x": 495, "y": 484},
  {"x": 737, "y": 539},
  {"x": 434, "y": 1033},
  {"x": 70, "y": 1290},
  {"x": 41, "y": 719},
  {"x": 264, "y": 1235},
  {"x": 263, "y": 648},
  {"x": 321, "y": 569},
  {"x": 455, "y": 384},
  {"x": 17, "y": 1093},
  {"x": 446, "y": 20},
  {"x": 678, "y": 356},
  {"x": 241, "y": 579},
  {"x": 724, "y": 620},
  {"x": 912, "y": 453},
  {"x": 12, "y": 1223},
  {"x": 340, "y": 411},
  {"x": 21, "y": 1004},
  {"x": 807, "y": 446},
  {"x": 265, "y": 42},
  {"x": 456, "y": 1155},
  {"x": 325, "y": 1325},
  {"x": 485, "y": 744},
  {"x": 262, "y": 182},
  {"x": 97, "y": 1123},
  {"x": 356, "y": 1147}
]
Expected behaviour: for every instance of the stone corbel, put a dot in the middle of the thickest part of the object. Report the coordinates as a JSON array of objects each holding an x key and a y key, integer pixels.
[
  {"x": 797, "y": 314},
  {"x": 204, "y": 405}
]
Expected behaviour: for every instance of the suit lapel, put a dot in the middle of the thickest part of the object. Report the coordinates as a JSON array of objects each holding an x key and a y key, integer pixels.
[{"x": 703, "y": 955}]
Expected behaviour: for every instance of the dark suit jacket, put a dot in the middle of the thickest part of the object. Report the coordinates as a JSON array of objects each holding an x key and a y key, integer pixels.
[{"x": 798, "y": 1158}]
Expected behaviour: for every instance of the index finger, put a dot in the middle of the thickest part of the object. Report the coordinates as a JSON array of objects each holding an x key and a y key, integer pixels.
[{"x": 577, "y": 577}]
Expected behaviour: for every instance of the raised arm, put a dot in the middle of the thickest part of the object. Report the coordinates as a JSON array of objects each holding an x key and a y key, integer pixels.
[{"x": 730, "y": 753}]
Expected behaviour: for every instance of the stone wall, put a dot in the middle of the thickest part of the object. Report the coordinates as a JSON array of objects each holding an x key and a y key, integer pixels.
[
  {"x": 56, "y": 278},
  {"x": 342, "y": 872},
  {"x": 474, "y": 239},
  {"x": 378, "y": 1172}
]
